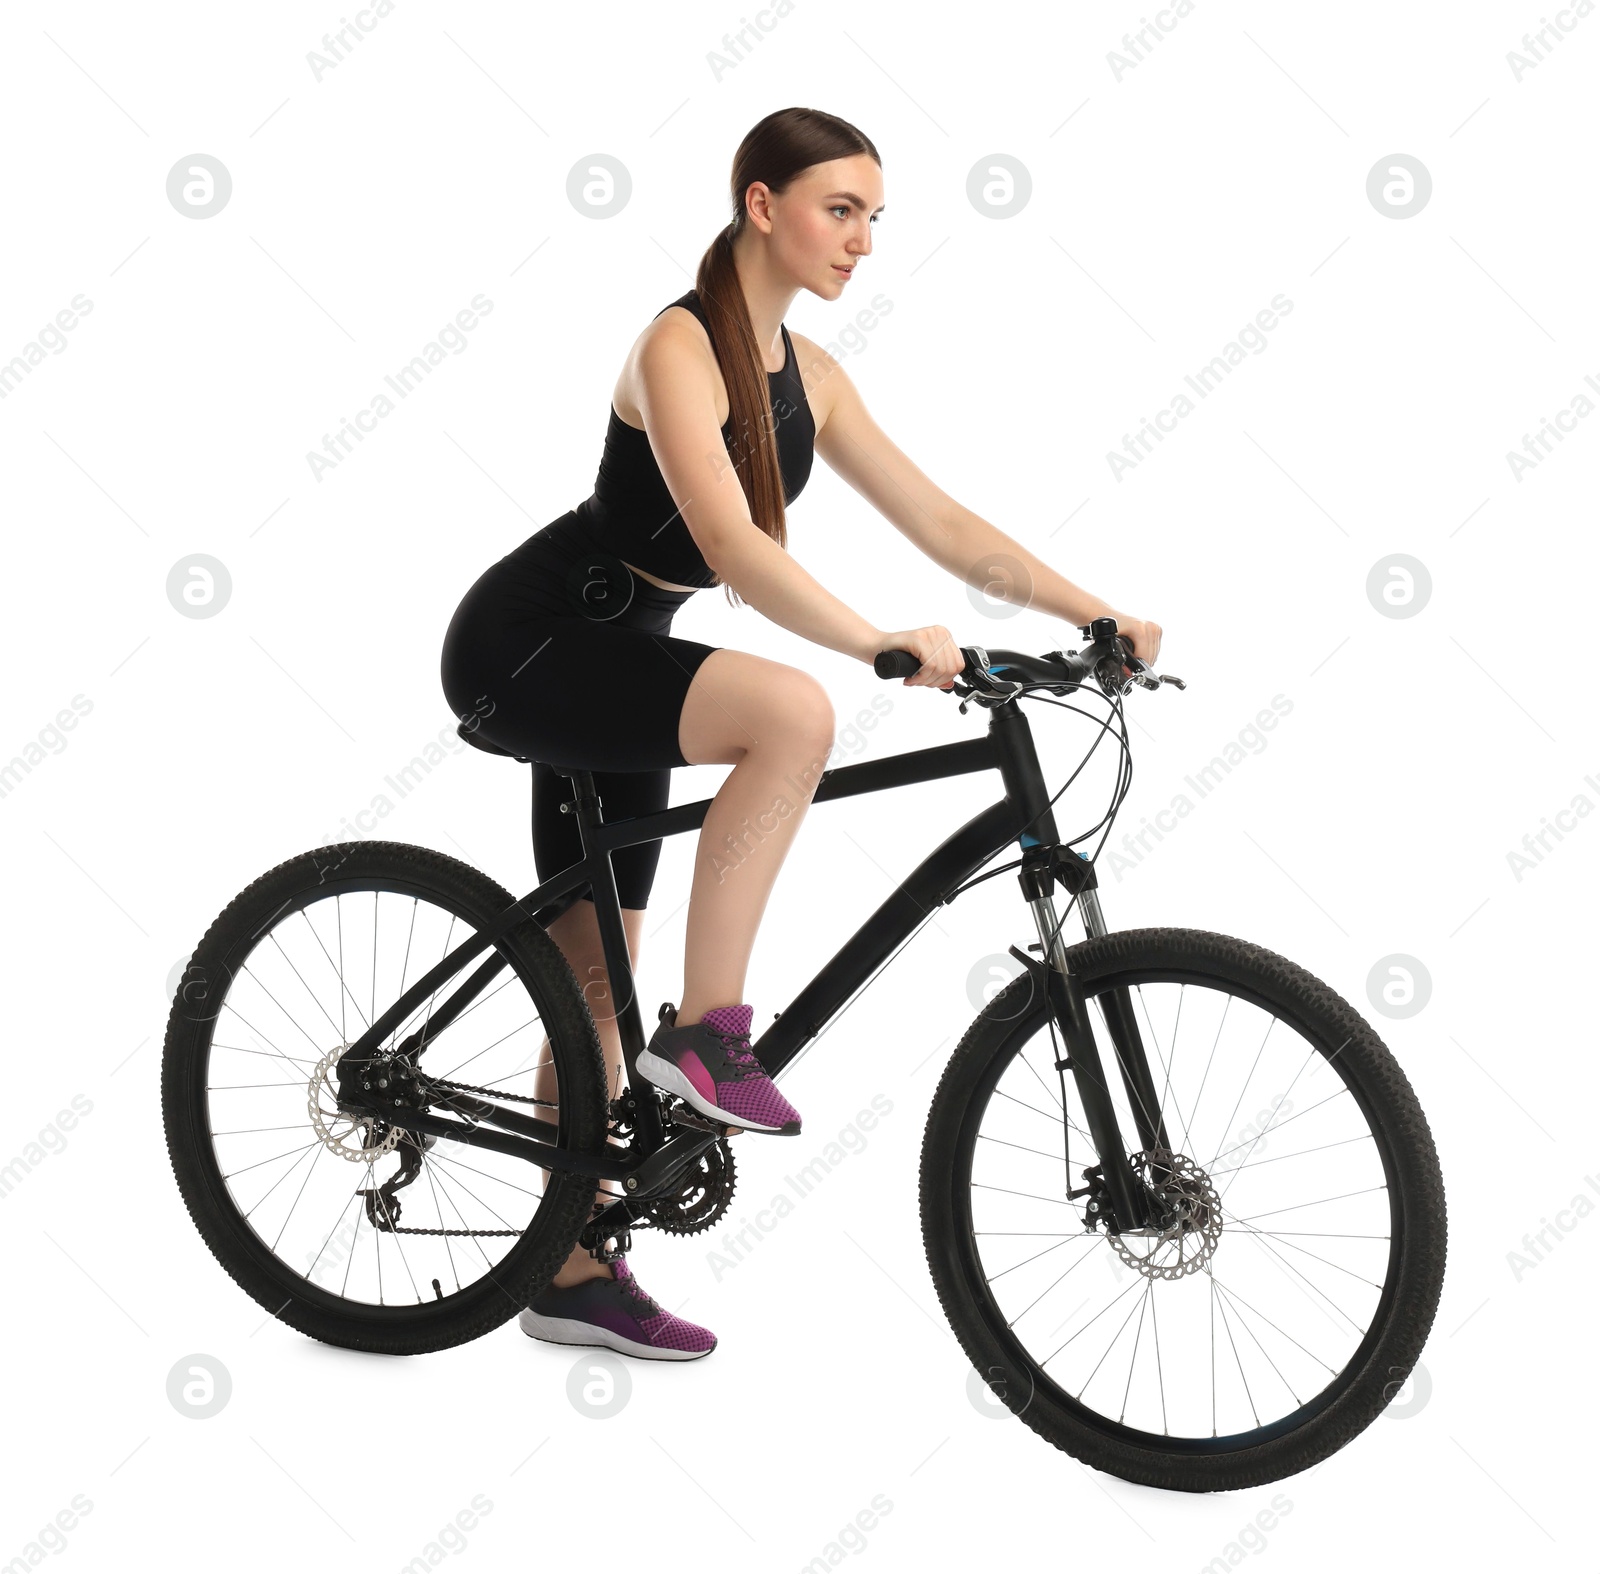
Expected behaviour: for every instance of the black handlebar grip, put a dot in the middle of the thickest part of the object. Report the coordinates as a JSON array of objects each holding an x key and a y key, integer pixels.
[{"x": 896, "y": 663}]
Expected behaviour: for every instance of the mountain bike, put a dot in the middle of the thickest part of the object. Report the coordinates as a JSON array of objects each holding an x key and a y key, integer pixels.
[{"x": 1178, "y": 1201}]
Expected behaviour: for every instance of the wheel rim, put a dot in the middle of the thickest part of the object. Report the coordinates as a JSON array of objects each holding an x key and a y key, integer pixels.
[
  {"x": 1280, "y": 1311},
  {"x": 298, "y": 1174}
]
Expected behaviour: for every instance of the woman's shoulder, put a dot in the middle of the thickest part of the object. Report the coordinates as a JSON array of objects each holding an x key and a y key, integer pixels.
[
  {"x": 682, "y": 320},
  {"x": 674, "y": 348}
]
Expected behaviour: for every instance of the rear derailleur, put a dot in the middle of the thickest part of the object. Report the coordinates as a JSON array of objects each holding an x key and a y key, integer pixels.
[{"x": 394, "y": 1080}]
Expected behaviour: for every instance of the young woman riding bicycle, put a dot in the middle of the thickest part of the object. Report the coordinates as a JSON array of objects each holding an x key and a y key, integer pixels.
[{"x": 714, "y": 419}]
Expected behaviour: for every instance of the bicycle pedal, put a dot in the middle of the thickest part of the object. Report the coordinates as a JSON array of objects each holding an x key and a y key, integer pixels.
[{"x": 684, "y": 1116}]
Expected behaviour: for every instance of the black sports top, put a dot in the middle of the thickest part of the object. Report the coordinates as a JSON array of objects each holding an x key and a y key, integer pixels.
[{"x": 631, "y": 513}]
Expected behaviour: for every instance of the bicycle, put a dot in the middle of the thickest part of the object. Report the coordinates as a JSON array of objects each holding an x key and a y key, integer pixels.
[{"x": 1024, "y": 1170}]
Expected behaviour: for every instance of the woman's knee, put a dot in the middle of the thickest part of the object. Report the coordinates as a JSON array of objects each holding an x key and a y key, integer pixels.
[
  {"x": 800, "y": 712},
  {"x": 740, "y": 703}
]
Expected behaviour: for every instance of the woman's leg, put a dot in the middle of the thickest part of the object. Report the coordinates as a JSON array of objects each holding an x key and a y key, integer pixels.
[
  {"x": 577, "y": 933},
  {"x": 775, "y": 725}
]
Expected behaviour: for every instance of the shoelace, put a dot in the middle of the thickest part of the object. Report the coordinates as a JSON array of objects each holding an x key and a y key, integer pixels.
[
  {"x": 630, "y": 1286},
  {"x": 739, "y": 1053}
]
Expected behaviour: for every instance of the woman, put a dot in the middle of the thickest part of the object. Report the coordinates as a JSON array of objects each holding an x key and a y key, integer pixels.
[{"x": 562, "y": 648}]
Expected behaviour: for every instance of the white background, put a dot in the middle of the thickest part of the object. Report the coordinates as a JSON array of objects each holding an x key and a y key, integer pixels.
[{"x": 1167, "y": 209}]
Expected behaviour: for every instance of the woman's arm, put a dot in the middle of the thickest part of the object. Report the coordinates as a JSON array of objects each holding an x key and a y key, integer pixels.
[
  {"x": 958, "y": 540},
  {"x": 678, "y": 402}
]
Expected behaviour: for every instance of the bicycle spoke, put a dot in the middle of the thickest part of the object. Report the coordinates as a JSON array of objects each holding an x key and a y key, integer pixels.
[
  {"x": 1239, "y": 1301},
  {"x": 1161, "y": 1381},
  {"x": 1293, "y": 1207},
  {"x": 1088, "y": 1325},
  {"x": 1061, "y": 1201},
  {"x": 1047, "y": 1289},
  {"x": 338, "y": 973},
  {"x": 305, "y": 1147},
  {"x": 271, "y": 1054},
  {"x": 1285, "y": 1265},
  {"x": 310, "y": 1170},
  {"x": 1365, "y": 1136},
  {"x": 983, "y": 1136},
  {"x": 1036, "y": 1256},
  {"x": 1251, "y": 1230},
  {"x": 1244, "y": 1086},
  {"x": 1287, "y": 1120},
  {"x": 1234, "y": 1346},
  {"x": 1194, "y": 1111},
  {"x": 1054, "y": 1119},
  {"x": 1116, "y": 1336},
  {"x": 1134, "y": 1354},
  {"x": 288, "y": 1060}
]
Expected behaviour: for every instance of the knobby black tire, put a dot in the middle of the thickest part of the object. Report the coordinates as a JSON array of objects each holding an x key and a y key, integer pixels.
[
  {"x": 1417, "y": 1256},
  {"x": 580, "y": 1068}
]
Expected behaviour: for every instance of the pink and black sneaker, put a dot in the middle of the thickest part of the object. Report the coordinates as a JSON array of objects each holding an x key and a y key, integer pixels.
[
  {"x": 616, "y": 1314},
  {"x": 709, "y": 1065}
]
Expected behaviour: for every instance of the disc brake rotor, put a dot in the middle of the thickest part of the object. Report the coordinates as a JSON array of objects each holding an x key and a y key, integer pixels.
[
  {"x": 1189, "y": 1214},
  {"x": 349, "y": 1136}
]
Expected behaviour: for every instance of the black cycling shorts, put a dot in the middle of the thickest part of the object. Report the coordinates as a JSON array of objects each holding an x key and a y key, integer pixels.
[{"x": 564, "y": 656}]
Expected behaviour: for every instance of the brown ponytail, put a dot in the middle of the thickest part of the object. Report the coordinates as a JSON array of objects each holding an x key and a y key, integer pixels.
[{"x": 773, "y": 151}]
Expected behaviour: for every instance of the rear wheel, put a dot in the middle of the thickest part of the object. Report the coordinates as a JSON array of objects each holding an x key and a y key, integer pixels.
[
  {"x": 352, "y": 1230},
  {"x": 1286, "y": 1293}
]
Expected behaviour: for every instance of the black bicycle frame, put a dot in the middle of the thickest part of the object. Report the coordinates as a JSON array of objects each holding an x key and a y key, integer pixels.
[{"x": 1023, "y": 815}]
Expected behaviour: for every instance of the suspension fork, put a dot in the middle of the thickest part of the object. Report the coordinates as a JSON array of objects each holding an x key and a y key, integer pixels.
[
  {"x": 1130, "y": 1199},
  {"x": 1117, "y": 1004}
]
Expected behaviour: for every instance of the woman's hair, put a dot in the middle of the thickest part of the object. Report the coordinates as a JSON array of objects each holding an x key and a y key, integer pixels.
[{"x": 774, "y": 150}]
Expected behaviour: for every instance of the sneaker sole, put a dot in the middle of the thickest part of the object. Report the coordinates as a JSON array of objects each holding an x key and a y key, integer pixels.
[
  {"x": 670, "y": 1079},
  {"x": 570, "y": 1330}
]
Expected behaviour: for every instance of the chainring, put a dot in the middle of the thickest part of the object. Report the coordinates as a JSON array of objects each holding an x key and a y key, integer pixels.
[{"x": 705, "y": 1190}]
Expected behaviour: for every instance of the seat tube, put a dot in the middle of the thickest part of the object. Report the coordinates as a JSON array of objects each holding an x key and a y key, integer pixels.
[{"x": 613, "y": 942}]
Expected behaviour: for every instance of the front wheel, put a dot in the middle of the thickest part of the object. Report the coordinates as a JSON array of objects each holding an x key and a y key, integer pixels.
[{"x": 1284, "y": 1290}]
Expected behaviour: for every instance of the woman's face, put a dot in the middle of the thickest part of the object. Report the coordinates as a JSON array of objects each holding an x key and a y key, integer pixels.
[{"x": 821, "y": 224}]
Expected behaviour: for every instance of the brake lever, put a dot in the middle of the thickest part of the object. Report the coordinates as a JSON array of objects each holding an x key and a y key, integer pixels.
[
  {"x": 1139, "y": 670},
  {"x": 982, "y": 681},
  {"x": 1147, "y": 677}
]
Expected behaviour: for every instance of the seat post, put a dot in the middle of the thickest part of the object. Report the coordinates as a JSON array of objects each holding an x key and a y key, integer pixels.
[{"x": 585, "y": 803}]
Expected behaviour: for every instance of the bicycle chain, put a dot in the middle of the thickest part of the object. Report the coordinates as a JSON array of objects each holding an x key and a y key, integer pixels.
[{"x": 716, "y": 1181}]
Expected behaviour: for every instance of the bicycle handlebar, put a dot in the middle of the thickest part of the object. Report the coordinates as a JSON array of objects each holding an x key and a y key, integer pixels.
[{"x": 1102, "y": 661}]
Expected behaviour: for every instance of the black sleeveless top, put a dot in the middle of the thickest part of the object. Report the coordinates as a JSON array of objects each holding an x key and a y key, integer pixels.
[{"x": 631, "y": 513}]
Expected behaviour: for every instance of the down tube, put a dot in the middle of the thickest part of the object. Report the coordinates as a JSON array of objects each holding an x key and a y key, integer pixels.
[{"x": 954, "y": 860}]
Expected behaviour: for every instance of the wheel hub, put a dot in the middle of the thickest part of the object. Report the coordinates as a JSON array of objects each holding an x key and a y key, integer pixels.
[
  {"x": 1187, "y": 1222},
  {"x": 353, "y": 1137}
]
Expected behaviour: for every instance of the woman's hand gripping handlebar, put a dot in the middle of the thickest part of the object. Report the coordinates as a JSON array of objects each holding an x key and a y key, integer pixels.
[{"x": 926, "y": 657}]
